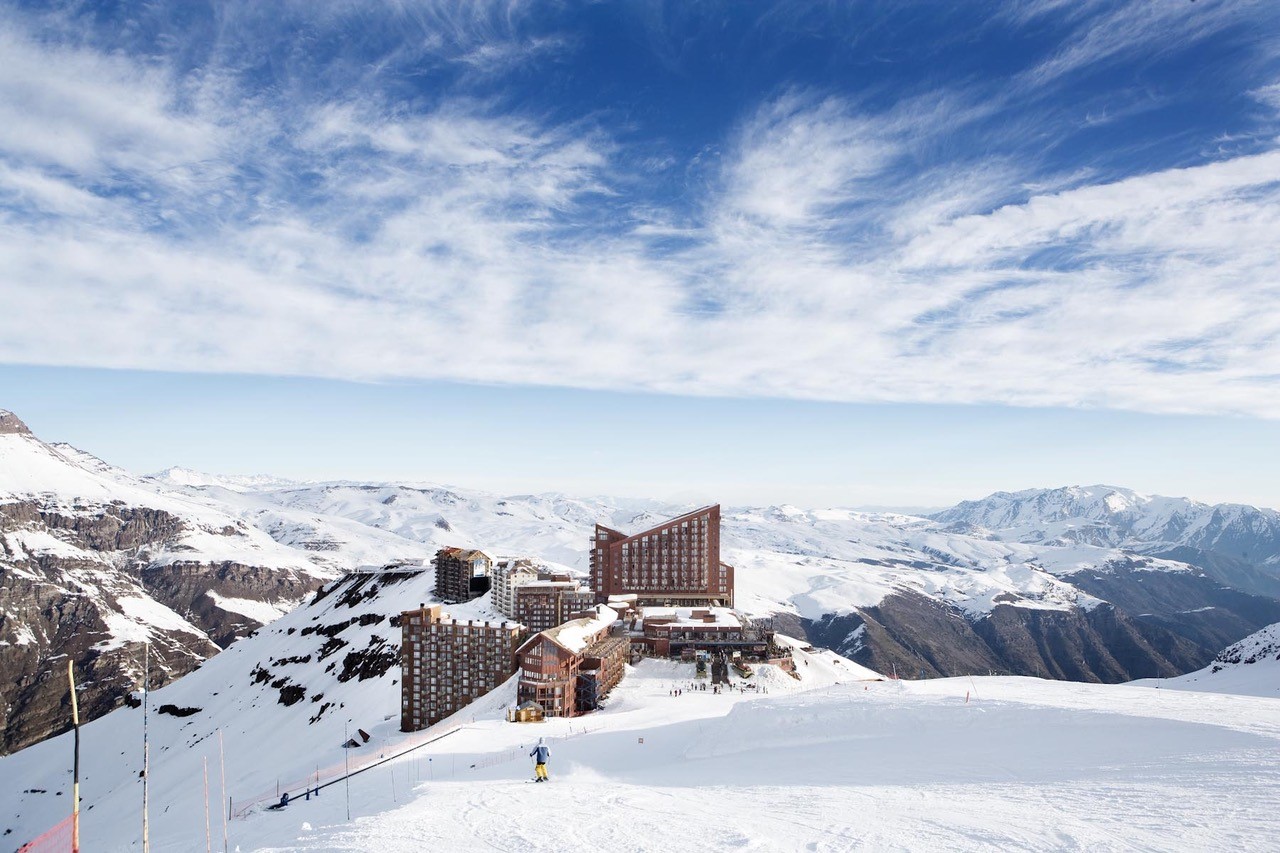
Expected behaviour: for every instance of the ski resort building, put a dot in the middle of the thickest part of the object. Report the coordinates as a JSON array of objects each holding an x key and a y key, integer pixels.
[
  {"x": 461, "y": 574},
  {"x": 506, "y": 576},
  {"x": 448, "y": 664},
  {"x": 682, "y": 631},
  {"x": 568, "y": 669},
  {"x": 552, "y": 599},
  {"x": 676, "y": 563}
]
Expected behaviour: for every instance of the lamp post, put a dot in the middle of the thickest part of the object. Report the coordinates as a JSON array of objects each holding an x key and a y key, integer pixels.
[{"x": 346, "y": 764}]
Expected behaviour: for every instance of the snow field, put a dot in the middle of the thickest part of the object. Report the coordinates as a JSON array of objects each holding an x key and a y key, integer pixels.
[{"x": 1028, "y": 764}]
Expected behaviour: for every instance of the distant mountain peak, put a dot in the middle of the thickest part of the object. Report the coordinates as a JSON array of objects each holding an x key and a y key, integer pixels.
[{"x": 11, "y": 424}]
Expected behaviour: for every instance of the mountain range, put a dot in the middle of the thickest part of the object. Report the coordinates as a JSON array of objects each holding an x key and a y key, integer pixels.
[{"x": 1087, "y": 583}]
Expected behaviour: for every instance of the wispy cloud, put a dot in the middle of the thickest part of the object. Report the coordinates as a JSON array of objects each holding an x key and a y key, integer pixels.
[{"x": 154, "y": 216}]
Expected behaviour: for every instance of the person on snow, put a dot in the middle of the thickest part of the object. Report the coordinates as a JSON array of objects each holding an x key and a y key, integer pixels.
[{"x": 540, "y": 754}]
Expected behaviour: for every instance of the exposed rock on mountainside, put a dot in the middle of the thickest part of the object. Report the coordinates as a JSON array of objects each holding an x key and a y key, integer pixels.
[
  {"x": 1250, "y": 667},
  {"x": 93, "y": 564},
  {"x": 1082, "y": 583},
  {"x": 910, "y": 634},
  {"x": 1193, "y": 606}
]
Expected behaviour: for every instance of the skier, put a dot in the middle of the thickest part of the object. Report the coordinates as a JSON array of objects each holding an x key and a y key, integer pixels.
[{"x": 540, "y": 754}]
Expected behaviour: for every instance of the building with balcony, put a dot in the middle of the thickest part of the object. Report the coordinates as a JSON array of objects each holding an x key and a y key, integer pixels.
[
  {"x": 676, "y": 563},
  {"x": 550, "y": 600},
  {"x": 568, "y": 669},
  {"x": 682, "y": 631},
  {"x": 461, "y": 574},
  {"x": 447, "y": 664},
  {"x": 507, "y": 575}
]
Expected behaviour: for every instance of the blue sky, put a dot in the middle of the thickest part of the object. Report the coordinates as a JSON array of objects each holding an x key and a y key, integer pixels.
[{"x": 987, "y": 245}]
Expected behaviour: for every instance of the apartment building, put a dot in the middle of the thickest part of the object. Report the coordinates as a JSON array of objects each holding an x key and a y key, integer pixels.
[
  {"x": 676, "y": 563},
  {"x": 447, "y": 664},
  {"x": 602, "y": 667},
  {"x": 554, "y": 662},
  {"x": 550, "y": 600},
  {"x": 461, "y": 574},
  {"x": 506, "y": 576}
]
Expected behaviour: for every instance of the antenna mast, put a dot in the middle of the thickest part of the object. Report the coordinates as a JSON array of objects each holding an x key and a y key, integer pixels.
[{"x": 146, "y": 754}]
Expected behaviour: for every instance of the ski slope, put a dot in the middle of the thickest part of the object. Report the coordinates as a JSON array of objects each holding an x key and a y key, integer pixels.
[
  {"x": 1024, "y": 764},
  {"x": 1250, "y": 667},
  {"x": 839, "y": 760}
]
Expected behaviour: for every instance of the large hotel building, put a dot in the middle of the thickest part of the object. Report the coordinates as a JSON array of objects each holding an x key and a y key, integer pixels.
[
  {"x": 461, "y": 574},
  {"x": 676, "y": 563},
  {"x": 448, "y": 664}
]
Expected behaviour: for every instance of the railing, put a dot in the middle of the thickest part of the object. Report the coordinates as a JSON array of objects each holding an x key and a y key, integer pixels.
[{"x": 319, "y": 779}]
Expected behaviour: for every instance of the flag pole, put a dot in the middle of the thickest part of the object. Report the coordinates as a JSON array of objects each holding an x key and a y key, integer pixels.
[{"x": 75, "y": 784}]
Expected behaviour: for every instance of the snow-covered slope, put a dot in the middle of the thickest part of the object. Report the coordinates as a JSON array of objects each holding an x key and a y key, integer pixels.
[
  {"x": 94, "y": 561},
  {"x": 281, "y": 697},
  {"x": 285, "y": 700},
  {"x": 1023, "y": 765},
  {"x": 835, "y": 761},
  {"x": 1250, "y": 667}
]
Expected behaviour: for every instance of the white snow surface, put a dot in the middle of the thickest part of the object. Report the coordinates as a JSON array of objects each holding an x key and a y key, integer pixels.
[
  {"x": 837, "y": 760},
  {"x": 882, "y": 766},
  {"x": 1250, "y": 667},
  {"x": 259, "y": 611},
  {"x": 833, "y": 762},
  {"x": 576, "y": 634}
]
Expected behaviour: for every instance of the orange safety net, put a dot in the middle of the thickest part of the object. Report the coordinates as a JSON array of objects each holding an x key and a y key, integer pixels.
[{"x": 57, "y": 839}]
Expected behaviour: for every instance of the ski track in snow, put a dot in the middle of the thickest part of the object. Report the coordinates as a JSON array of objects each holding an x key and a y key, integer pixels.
[
  {"x": 1033, "y": 765},
  {"x": 831, "y": 764}
]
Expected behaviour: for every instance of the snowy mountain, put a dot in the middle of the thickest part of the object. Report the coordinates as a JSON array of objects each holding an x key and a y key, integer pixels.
[
  {"x": 1250, "y": 667},
  {"x": 894, "y": 591},
  {"x": 1238, "y": 544},
  {"x": 1006, "y": 585},
  {"x": 94, "y": 562}
]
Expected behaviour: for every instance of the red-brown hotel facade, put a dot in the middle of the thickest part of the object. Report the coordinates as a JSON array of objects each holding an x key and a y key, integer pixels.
[
  {"x": 448, "y": 664},
  {"x": 676, "y": 563}
]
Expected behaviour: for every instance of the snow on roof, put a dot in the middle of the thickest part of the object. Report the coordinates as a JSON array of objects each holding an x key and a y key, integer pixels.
[
  {"x": 725, "y": 617},
  {"x": 576, "y": 634}
]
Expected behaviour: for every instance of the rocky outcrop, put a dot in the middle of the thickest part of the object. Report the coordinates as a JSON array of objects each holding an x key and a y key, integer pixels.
[
  {"x": 11, "y": 425},
  {"x": 1186, "y": 604},
  {"x": 912, "y": 634},
  {"x": 91, "y": 579},
  {"x": 185, "y": 587},
  {"x": 43, "y": 623},
  {"x": 109, "y": 528}
]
